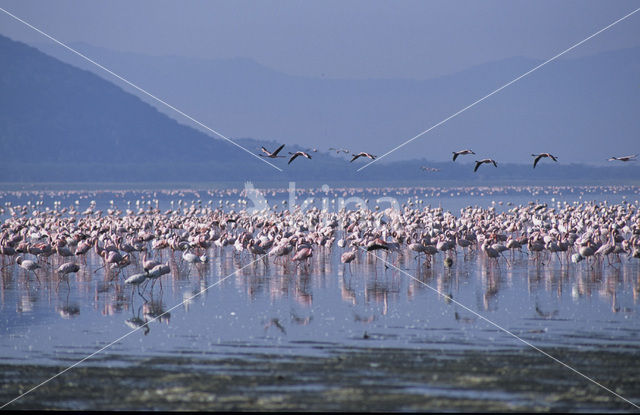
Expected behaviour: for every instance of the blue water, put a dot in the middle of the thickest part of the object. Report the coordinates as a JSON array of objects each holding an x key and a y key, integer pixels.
[{"x": 293, "y": 311}]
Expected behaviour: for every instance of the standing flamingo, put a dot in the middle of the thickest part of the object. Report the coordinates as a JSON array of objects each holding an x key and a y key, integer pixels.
[{"x": 28, "y": 265}]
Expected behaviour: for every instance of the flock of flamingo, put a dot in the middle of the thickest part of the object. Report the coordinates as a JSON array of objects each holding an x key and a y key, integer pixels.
[
  {"x": 536, "y": 159},
  {"x": 274, "y": 154},
  {"x": 600, "y": 234}
]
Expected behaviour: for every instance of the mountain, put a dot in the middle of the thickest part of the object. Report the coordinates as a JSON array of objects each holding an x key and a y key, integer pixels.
[
  {"x": 583, "y": 109},
  {"x": 52, "y": 112},
  {"x": 59, "y": 123}
]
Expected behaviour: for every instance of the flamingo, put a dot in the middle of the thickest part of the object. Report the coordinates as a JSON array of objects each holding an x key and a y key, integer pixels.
[
  {"x": 303, "y": 254},
  {"x": 137, "y": 279},
  {"x": 462, "y": 243},
  {"x": 349, "y": 256},
  {"x": 148, "y": 265},
  {"x": 490, "y": 251},
  {"x": 363, "y": 154},
  {"x": 541, "y": 155},
  {"x": 427, "y": 250},
  {"x": 28, "y": 265},
  {"x": 190, "y": 258},
  {"x": 461, "y": 152},
  {"x": 417, "y": 247},
  {"x": 513, "y": 244},
  {"x": 270, "y": 154},
  {"x": 157, "y": 272},
  {"x": 607, "y": 248},
  {"x": 110, "y": 257},
  {"x": 586, "y": 251},
  {"x": 377, "y": 244},
  {"x": 6, "y": 250},
  {"x": 68, "y": 268},
  {"x": 280, "y": 251},
  {"x": 298, "y": 153},
  {"x": 445, "y": 244},
  {"x": 193, "y": 258},
  {"x": 479, "y": 162},
  {"x": 82, "y": 248},
  {"x": 536, "y": 244},
  {"x": 255, "y": 249},
  {"x": 624, "y": 158},
  {"x": 123, "y": 263},
  {"x": 62, "y": 250}
]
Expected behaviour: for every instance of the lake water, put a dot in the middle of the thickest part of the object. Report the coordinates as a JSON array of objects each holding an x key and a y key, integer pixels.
[{"x": 265, "y": 336}]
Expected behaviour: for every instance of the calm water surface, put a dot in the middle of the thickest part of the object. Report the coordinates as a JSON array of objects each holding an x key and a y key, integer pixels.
[{"x": 326, "y": 337}]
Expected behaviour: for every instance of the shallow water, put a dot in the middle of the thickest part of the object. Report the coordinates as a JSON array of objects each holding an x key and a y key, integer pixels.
[
  {"x": 326, "y": 337},
  {"x": 448, "y": 198}
]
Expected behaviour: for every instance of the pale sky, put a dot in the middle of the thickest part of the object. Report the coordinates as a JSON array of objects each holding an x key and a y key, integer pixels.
[{"x": 336, "y": 39}]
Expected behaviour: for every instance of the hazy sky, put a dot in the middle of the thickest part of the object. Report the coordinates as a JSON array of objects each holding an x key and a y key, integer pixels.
[
  {"x": 367, "y": 39},
  {"x": 339, "y": 39}
]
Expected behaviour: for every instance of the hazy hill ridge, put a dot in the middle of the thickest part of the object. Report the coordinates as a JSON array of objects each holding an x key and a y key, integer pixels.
[
  {"x": 62, "y": 123},
  {"x": 572, "y": 106}
]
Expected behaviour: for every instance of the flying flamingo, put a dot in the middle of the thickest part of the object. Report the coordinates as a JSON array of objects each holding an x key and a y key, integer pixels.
[
  {"x": 270, "y": 154},
  {"x": 624, "y": 158},
  {"x": 539, "y": 156},
  {"x": 298, "y": 153},
  {"x": 461, "y": 152},
  {"x": 363, "y": 154},
  {"x": 479, "y": 162}
]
